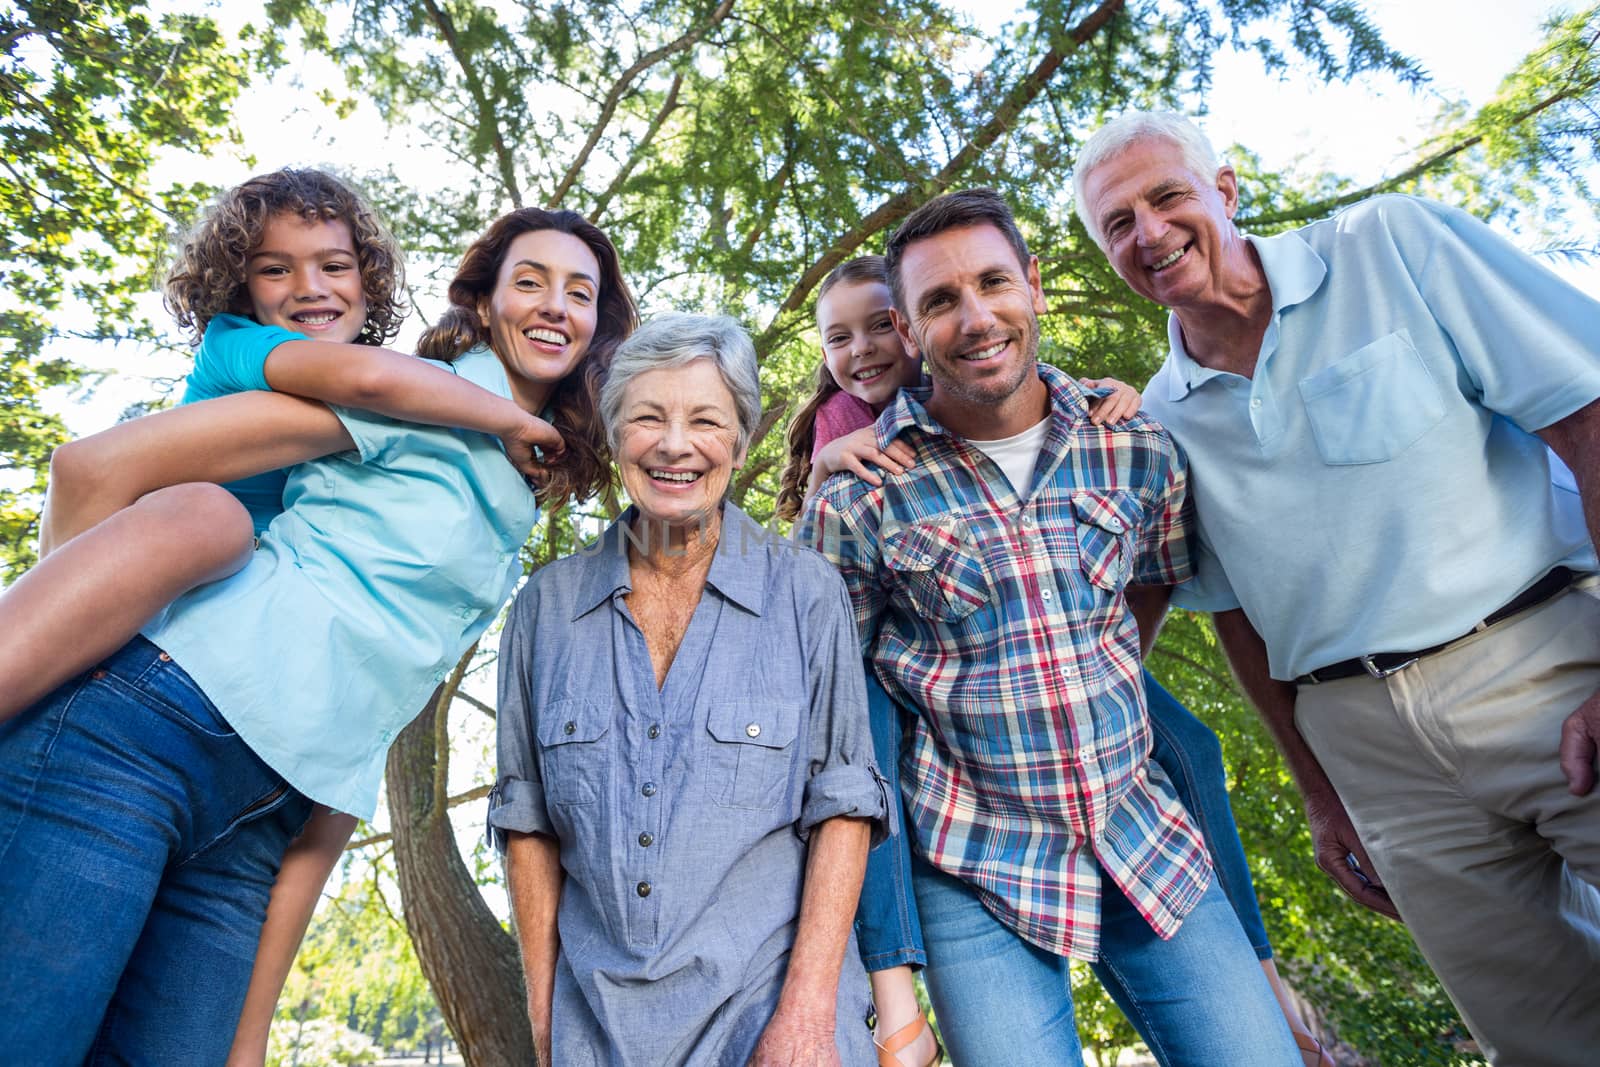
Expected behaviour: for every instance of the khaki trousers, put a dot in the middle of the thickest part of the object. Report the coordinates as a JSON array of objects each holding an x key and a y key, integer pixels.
[{"x": 1449, "y": 772}]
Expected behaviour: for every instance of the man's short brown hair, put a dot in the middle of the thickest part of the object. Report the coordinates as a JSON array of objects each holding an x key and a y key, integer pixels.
[{"x": 968, "y": 207}]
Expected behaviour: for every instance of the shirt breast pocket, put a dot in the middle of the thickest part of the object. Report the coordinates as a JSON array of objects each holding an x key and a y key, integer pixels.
[
  {"x": 1104, "y": 528},
  {"x": 750, "y": 752},
  {"x": 575, "y": 751},
  {"x": 1373, "y": 404},
  {"x": 932, "y": 567}
]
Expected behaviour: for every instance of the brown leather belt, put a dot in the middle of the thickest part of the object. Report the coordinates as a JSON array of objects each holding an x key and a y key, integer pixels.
[{"x": 1383, "y": 664}]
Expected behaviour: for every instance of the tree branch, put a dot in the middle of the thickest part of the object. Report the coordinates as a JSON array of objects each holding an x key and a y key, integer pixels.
[
  {"x": 902, "y": 203},
  {"x": 476, "y": 793},
  {"x": 441, "y": 728},
  {"x": 487, "y": 118},
  {"x": 1324, "y": 207},
  {"x": 775, "y": 187},
  {"x": 468, "y": 698},
  {"x": 620, "y": 87},
  {"x": 823, "y": 85},
  {"x": 668, "y": 105}
]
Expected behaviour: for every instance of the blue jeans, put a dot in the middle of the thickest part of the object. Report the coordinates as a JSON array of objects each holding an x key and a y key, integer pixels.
[
  {"x": 1198, "y": 1000},
  {"x": 887, "y": 928},
  {"x": 1188, "y": 750},
  {"x": 139, "y": 838}
]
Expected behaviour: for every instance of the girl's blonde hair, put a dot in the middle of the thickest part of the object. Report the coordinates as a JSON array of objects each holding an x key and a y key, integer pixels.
[
  {"x": 802, "y": 435},
  {"x": 208, "y": 276}
]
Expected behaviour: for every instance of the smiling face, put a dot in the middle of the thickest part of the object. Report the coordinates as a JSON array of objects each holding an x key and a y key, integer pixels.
[
  {"x": 679, "y": 442},
  {"x": 972, "y": 310},
  {"x": 303, "y": 275},
  {"x": 1166, "y": 230},
  {"x": 859, "y": 343},
  {"x": 541, "y": 312}
]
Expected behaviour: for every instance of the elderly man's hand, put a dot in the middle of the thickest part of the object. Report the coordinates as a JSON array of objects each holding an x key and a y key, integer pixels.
[
  {"x": 798, "y": 1039},
  {"x": 1579, "y": 737},
  {"x": 1334, "y": 838}
]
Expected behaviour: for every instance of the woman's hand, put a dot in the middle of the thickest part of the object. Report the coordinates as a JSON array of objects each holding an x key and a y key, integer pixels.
[
  {"x": 854, "y": 451},
  {"x": 1120, "y": 405},
  {"x": 520, "y": 440},
  {"x": 796, "y": 1039}
]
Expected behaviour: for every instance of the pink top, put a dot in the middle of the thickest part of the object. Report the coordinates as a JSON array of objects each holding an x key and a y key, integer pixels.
[{"x": 840, "y": 414}]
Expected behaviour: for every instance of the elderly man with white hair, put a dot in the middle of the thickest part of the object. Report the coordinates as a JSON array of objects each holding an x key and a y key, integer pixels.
[{"x": 1403, "y": 585}]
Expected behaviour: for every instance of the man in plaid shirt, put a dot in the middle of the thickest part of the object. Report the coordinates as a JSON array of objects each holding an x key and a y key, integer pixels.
[{"x": 988, "y": 582}]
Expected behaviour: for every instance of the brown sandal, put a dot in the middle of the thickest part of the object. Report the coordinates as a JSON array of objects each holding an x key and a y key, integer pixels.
[
  {"x": 903, "y": 1037},
  {"x": 1314, "y": 1054}
]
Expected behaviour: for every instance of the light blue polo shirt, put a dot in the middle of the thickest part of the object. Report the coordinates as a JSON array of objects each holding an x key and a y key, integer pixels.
[
  {"x": 386, "y": 564},
  {"x": 231, "y": 359},
  {"x": 1375, "y": 486}
]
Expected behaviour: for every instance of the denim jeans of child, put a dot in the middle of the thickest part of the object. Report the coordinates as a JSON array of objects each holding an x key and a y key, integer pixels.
[
  {"x": 1198, "y": 999},
  {"x": 887, "y": 929},
  {"x": 1187, "y": 749},
  {"x": 139, "y": 839}
]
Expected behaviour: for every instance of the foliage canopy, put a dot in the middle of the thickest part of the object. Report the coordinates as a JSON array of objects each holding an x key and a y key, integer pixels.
[{"x": 736, "y": 150}]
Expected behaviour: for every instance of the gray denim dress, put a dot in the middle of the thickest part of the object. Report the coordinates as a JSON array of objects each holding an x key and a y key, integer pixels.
[{"x": 683, "y": 813}]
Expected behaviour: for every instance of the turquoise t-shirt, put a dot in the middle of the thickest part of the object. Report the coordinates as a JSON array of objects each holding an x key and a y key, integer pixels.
[
  {"x": 385, "y": 565},
  {"x": 231, "y": 359}
]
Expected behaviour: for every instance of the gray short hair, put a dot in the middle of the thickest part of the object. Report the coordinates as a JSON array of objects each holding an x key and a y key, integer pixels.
[
  {"x": 1121, "y": 132},
  {"x": 673, "y": 340}
]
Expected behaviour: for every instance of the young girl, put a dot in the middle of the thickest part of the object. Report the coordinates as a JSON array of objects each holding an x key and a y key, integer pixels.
[
  {"x": 360, "y": 596},
  {"x": 864, "y": 365}
]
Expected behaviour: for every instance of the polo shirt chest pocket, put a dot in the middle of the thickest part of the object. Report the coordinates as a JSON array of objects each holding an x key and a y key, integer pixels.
[
  {"x": 751, "y": 751},
  {"x": 1104, "y": 530},
  {"x": 931, "y": 565},
  {"x": 1372, "y": 405},
  {"x": 575, "y": 751}
]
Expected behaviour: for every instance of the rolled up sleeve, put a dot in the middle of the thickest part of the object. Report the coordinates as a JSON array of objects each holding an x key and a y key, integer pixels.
[
  {"x": 517, "y": 802},
  {"x": 843, "y": 778}
]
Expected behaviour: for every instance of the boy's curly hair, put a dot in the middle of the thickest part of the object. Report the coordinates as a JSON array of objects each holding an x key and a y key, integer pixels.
[{"x": 208, "y": 275}]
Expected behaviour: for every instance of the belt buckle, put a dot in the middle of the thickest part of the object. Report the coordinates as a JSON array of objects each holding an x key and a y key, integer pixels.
[{"x": 1379, "y": 672}]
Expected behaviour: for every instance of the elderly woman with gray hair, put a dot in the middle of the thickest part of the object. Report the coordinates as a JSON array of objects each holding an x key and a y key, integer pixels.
[{"x": 686, "y": 792}]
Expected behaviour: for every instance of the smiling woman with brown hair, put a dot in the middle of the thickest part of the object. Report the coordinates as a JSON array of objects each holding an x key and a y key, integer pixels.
[{"x": 685, "y": 789}]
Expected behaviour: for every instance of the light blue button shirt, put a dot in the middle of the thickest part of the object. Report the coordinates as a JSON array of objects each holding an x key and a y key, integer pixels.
[
  {"x": 1376, "y": 485},
  {"x": 386, "y": 564}
]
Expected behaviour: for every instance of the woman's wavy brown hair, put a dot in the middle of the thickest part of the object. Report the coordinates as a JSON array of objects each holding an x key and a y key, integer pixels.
[
  {"x": 802, "y": 435},
  {"x": 208, "y": 276},
  {"x": 584, "y": 468}
]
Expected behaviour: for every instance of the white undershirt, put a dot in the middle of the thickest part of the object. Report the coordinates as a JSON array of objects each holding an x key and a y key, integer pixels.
[{"x": 1018, "y": 455}]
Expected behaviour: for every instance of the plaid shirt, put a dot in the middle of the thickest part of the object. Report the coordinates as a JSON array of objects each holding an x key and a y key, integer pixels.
[{"x": 1001, "y": 618}]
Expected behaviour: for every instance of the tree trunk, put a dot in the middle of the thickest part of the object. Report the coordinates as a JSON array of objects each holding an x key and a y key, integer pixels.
[{"x": 470, "y": 962}]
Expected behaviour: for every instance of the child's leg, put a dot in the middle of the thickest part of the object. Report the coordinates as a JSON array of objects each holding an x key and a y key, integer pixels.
[
  {"x": 306, "y": 866},
  {"x": 1188, "y": 750},
  {"x": 888, "y": 932},
  {"x": 90, "y": 596}
]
